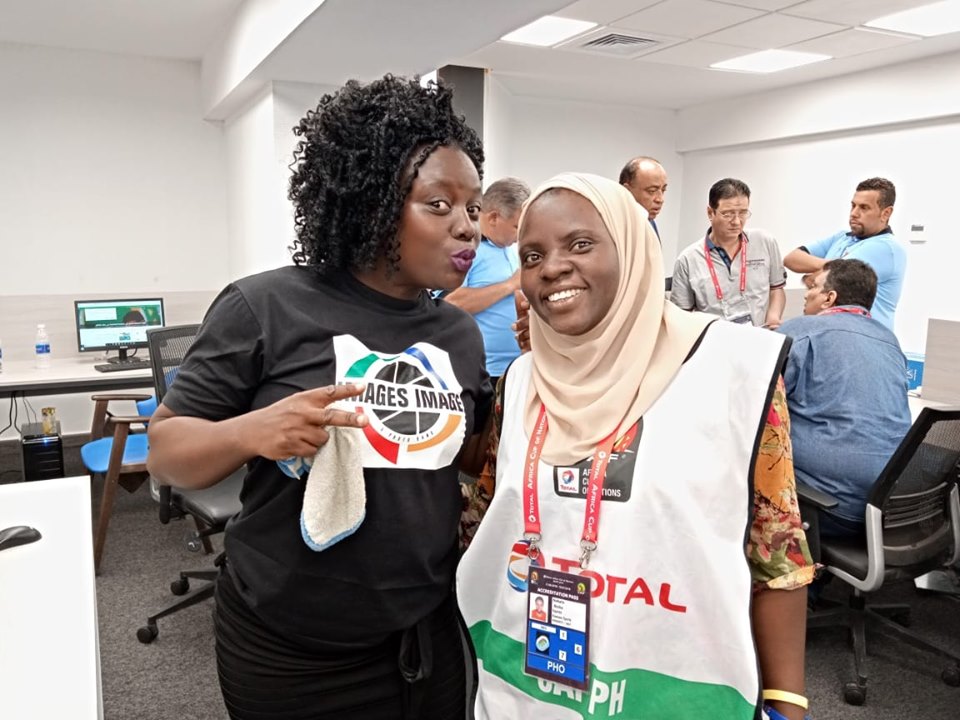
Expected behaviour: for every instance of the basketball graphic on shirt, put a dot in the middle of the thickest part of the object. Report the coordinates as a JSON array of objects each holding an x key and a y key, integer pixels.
[{"x": 412, "y": 400}]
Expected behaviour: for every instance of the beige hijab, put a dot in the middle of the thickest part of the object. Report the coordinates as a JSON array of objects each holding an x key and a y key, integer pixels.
[{"x": 608, "y": 377}]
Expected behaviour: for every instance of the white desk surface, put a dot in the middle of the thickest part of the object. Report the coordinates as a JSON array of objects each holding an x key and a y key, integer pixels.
[
  {"x": 917, "y": 403},
  {"x": 72, "y": 374},
  {"x": 49, "y": 642}
]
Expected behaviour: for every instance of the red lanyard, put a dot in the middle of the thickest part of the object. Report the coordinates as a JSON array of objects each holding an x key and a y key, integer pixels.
[
  {"x": 713, "y": 272},
  {"x": 531, "y": 504},
  {"x": 851, "y": 310}
]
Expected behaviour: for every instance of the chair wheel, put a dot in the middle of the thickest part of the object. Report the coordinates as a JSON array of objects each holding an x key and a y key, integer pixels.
[
  {"x": 194, "y": 545},
  {"x": 180, "y": 587},
  {"x": 148, "y": 633},
  {"x": 951, "y": 675},
  {"x": 853, "y": 694}
]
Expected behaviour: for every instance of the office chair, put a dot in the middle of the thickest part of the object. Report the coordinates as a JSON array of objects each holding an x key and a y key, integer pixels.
[
  {"x": 118, "y": 453},
  {"x": 210, "y": 508},
  {"x": 912, "y": 527}
]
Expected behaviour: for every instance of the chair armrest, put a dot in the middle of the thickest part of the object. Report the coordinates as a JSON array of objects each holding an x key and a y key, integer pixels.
[
  {"x": 109, "y": 397},
  {"x": 129, "y": 419},
  {"x": 816, "y": 498}
]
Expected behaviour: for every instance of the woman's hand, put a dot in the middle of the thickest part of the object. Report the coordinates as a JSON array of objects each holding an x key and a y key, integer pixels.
[{"x": 297, "y": 425}]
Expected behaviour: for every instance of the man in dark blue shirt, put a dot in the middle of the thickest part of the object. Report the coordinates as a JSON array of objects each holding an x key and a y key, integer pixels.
[{"x": 846, "y": 383}]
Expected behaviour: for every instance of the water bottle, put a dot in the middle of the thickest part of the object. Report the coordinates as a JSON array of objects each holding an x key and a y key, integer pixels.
[{"x": 42, "y": 347}]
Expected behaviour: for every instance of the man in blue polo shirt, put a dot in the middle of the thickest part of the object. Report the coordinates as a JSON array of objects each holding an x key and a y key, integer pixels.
[
  {"x": 869, "y": 239},
  {"x": 487, "y": 290}
]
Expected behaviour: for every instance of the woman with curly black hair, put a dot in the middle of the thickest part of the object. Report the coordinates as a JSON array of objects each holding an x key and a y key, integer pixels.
[{"x": 341, "y": 375}]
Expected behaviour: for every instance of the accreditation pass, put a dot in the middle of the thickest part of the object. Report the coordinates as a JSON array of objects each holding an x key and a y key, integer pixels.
[{"x": 558, "y": 627}]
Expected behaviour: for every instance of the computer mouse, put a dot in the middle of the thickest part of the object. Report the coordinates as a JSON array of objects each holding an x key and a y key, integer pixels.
[{"x": 18, "y": 535}]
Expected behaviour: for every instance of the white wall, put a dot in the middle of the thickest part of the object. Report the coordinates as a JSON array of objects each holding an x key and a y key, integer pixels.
[
  {"x": 802, "y": 185},
  {"x": 259, "y": 149},
  {"x": 535, "y": 139},
  {"x": 110, "y": 181},
  {"x": 254, "y": 190}
]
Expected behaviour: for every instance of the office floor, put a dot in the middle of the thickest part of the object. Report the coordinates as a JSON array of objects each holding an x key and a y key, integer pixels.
[{"x": 175, "y": 677}]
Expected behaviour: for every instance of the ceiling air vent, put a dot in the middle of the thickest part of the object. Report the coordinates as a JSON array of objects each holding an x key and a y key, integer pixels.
[{"x": 616, "y": 43}]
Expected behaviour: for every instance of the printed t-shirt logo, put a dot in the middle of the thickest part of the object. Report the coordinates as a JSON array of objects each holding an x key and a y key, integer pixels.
[{"x": 412, "y": 401}]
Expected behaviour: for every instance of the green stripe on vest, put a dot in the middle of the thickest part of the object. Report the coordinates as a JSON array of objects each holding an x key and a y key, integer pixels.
[{"x": 635, "y": 694}]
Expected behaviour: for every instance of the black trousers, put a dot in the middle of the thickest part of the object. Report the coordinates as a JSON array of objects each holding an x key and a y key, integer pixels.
[{"x": 419, "y": 674}]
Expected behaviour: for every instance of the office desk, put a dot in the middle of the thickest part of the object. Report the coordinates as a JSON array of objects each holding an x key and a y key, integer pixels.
[
  {"x": 49, "y": 643},
  {"x": 67, "y": 375}
]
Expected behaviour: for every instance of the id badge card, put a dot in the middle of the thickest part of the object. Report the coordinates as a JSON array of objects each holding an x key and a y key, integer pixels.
[
  {"x": 558, "y": 627},
  {"x": 738, "y": 311}
]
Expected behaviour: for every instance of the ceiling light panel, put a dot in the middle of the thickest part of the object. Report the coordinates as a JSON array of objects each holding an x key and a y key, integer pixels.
[
  {"x": 769, "y": 61},
  {"x": 939, "y": 18},
  {"x": 548, "y": 31}
]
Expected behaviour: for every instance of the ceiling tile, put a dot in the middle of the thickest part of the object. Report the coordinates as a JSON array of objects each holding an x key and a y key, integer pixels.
[
  {"x": 687, "y": 18},
  {"x": 852, "y": 42},
  {"x": 851, "y": 12},
  {"x": 695, "y": 53},
  {"x": 769, "y": 5},
  {"x": 773, "y": 31},
  {"x": 603, "y": 12}
]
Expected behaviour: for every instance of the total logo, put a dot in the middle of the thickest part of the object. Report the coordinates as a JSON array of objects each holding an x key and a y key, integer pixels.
[
  {"x": 412, "y": 401},
  {"x": 612, "y": 589}
]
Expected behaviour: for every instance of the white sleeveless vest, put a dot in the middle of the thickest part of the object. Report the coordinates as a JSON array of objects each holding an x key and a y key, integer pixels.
[{"x": 670, "y": 623}]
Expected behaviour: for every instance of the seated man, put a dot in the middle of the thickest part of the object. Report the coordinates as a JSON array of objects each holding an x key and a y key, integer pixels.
[{"x": 846, "y": 383}]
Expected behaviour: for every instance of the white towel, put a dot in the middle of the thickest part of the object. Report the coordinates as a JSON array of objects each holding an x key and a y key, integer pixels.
[{"x": 335, "y": 498}]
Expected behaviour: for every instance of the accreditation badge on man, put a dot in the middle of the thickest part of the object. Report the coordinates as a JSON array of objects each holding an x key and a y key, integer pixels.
[
  {"x": 558, "y": 627},
  {"x": 737, "y": 310}
]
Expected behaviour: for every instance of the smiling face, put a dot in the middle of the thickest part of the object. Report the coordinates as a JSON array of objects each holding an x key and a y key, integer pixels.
[
  {"x": 569, "y": 269},
  {"x": 438, "y": 229}
]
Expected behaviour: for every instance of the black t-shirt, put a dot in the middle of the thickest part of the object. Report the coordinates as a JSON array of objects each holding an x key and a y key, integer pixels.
[{"x": 274, "y": 334}]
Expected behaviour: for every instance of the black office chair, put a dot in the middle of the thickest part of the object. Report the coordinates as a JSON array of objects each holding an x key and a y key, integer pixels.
[
  {"x": 912, "y": 527},
  {"x": 210, "y": 508}
]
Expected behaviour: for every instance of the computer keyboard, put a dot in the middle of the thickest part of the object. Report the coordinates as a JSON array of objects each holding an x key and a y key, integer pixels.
[{"x": 128, "y": 364}]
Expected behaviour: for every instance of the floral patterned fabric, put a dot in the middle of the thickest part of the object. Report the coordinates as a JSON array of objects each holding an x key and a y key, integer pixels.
[{"x": 777, "y": 548}]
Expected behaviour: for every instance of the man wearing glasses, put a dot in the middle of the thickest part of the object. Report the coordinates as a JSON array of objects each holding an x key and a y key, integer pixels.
[{"x": 731, "y": 272}]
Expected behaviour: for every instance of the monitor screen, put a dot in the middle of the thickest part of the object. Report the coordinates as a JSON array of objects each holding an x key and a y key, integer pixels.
[{"x": 116, "y": 324}]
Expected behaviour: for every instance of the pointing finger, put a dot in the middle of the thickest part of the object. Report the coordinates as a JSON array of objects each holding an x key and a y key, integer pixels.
[{"x": 332, "y": 393}]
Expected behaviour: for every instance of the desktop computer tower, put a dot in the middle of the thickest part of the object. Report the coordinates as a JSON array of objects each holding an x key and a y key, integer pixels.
[{"x": 42, "y": 453}]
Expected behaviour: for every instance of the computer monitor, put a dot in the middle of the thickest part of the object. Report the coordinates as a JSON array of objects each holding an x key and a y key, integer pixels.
[{"x": 116, "y": 324}]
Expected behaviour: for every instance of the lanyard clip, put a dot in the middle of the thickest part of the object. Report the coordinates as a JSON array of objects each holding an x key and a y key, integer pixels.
[
  {"x": 586, "y": 549},
  {"x": 533, "y": 542}
]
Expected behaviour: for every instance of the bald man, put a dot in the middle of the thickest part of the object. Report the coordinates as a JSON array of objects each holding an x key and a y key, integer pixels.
[{"x": 646, "y": 180}]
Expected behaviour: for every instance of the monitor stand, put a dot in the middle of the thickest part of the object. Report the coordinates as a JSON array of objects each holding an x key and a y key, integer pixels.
[{"x": 121, "y": 357}]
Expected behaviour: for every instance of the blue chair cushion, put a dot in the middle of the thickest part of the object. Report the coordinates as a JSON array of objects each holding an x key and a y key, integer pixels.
[
  {"x": 146, "y": 408},
  {"x": 96, "y": 454}
]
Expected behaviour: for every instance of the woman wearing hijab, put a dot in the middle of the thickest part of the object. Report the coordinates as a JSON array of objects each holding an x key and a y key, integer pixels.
[{"x": 641, "y": 448}]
